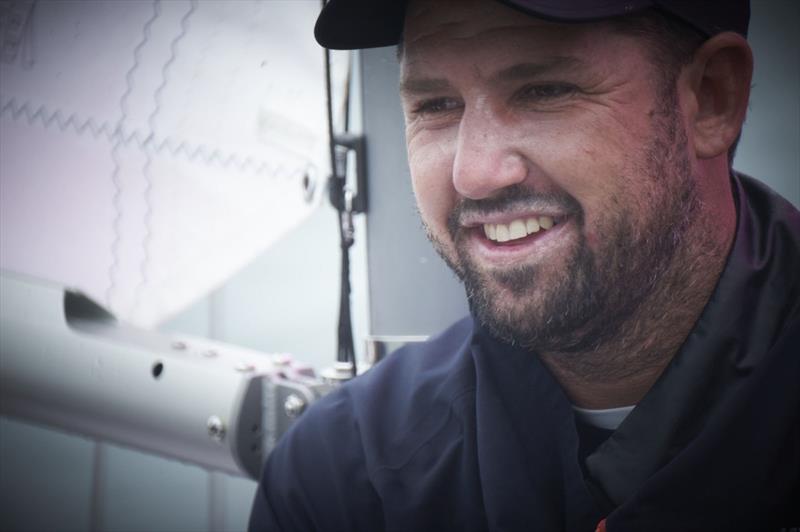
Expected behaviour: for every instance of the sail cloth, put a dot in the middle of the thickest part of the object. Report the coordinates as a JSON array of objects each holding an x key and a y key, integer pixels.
[{"x": 150, "y": 150}]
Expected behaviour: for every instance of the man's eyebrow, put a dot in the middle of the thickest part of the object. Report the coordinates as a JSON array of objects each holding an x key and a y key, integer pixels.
[{"x": 519, "y": 71}]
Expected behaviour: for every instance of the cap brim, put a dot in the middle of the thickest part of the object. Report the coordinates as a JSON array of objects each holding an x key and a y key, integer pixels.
[
  {"x": 352, "y": 24},
  {"x": 360, "y": 24}
]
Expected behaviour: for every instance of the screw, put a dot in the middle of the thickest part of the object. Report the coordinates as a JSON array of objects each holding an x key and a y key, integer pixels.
[
  {"x": 294, "y": 406},
  {"x": 281, "y": 360},
  {"x": 216, "y": 428}
]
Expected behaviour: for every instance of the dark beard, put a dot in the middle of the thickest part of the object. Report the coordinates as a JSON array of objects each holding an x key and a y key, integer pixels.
[
  {"x": 582, "y": 309},
  {"x": 600, "y": 292}
]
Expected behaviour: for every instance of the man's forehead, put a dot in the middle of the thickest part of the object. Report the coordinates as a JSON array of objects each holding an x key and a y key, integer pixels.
[
  {"x": 495, "y": 36},
  {"x": 463, "y": 19}
]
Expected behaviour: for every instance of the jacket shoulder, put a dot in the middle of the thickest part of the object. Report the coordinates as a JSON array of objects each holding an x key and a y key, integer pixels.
[
  {"x": 408, "y": 398},
  {"x": 319, "y": 476}
]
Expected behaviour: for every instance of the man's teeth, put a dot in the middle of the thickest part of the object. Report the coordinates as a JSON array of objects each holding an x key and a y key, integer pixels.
[{"x": 517, "y": 229}]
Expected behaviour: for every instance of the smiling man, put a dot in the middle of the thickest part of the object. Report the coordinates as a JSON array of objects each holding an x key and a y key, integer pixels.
[{"x": 631, "y": 362}]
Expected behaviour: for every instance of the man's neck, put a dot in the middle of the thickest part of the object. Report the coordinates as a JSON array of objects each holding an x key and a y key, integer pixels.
[{"x": 622, "y": 370}]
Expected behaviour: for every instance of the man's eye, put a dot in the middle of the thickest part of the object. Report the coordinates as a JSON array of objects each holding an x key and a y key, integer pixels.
[
  {"x": 436, "y": 105},
  {"x": 548, "y": 91}
]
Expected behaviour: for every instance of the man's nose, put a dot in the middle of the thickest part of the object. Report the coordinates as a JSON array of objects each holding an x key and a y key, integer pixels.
[{"x": 486, "y": 159}]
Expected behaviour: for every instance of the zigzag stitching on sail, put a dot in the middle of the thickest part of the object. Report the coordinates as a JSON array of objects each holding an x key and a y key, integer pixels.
[
  {"x": 113, "y": 269},
  {"x": 144, "y": 266},
  {"x": 167, "y": 146}
]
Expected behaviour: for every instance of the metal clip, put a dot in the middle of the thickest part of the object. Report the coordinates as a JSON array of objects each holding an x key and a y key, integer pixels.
[
  {"x": 346, "y": 218},
  {"x": 345, "y": 143}
]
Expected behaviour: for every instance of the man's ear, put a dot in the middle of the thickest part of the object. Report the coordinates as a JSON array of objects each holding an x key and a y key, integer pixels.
[{"x": 718, "y": 81}]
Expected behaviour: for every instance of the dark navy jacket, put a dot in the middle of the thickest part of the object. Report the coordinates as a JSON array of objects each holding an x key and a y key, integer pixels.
[{"x": 465, "y": 433}]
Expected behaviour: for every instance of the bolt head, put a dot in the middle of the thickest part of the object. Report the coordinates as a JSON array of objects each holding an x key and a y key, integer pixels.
[
  {"x": 216, "y": 428},
  {"x": 294, "y": 406}
]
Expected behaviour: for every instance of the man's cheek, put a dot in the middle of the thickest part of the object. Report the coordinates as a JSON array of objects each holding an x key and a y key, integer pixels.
[{"x": 431, "y": 186}]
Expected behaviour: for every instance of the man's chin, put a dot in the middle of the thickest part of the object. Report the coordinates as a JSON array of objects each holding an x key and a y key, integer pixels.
[
  {"x": 536, "y": 309},
  {"x": 507, "y": 309},
  {"x": 542, "y": 308}
]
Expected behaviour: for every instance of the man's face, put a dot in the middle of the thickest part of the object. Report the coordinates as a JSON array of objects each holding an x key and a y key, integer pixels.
[{"x": 550, "y": 167}]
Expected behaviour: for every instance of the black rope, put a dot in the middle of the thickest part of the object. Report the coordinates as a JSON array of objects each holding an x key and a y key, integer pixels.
[
  {"x": 346, "y": 352},
  {"x": 345, "y": 349}
]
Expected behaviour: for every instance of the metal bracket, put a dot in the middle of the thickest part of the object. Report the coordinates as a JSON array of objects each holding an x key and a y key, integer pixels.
[{"x": 284, "y": 401}]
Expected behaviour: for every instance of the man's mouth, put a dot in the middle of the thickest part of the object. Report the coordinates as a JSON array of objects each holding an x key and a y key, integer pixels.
[{"x": 518, "y": 229}]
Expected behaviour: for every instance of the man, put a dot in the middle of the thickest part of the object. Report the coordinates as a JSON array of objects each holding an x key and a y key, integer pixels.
[{"x": 631, "y": 362}]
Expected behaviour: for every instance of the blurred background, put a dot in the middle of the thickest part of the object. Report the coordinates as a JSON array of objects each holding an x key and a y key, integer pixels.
[{"x": 169, "y": 159}]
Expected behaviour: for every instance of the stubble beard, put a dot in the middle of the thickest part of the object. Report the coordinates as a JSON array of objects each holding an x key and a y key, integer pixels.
[{"x": 589, "y": 300}]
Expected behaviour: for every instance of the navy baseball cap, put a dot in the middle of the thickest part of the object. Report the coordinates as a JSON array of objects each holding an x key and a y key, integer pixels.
[{"x": 352, "y": 24}]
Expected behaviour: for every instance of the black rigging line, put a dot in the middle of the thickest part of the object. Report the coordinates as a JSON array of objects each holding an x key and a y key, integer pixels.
[{"x": 345, "y": 349}]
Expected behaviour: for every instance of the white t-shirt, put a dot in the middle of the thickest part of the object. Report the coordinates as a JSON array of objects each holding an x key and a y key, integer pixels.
[{"x": 607, "y": 418}]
